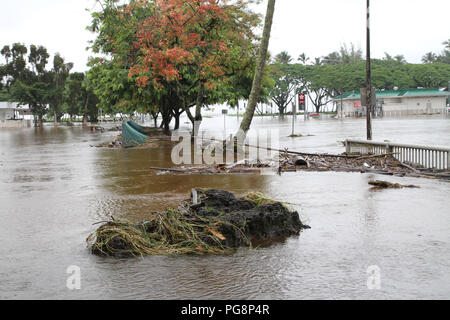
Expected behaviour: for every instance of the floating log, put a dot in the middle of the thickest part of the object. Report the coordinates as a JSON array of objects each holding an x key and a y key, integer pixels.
[{"x": 389, "y": 185}]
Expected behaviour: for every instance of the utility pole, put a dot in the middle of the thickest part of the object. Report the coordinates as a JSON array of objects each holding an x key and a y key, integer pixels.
[
  {"x": 294, "y": 112},
  {"x": 341, "y": 116},
  {"x": 368, "y": 78}
]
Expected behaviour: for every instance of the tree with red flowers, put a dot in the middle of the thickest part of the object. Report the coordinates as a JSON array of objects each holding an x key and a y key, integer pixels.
[{"x": 178, "y": 53}]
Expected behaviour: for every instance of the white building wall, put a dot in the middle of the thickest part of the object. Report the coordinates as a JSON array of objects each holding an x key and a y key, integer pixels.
[
  {"x": 7, "y": 111},
  {"x": 16, "y": 123},
  {"x": 402, "y": 106},
  {"x": 6, "y": 114},
  {"x": 427, "y": 105}
]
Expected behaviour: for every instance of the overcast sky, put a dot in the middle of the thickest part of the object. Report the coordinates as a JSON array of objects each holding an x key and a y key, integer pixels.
[{"x": 316, "y": 27}]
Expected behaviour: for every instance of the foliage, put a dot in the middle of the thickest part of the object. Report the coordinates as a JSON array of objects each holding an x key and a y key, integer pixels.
[
  {"x": 59, "y": 74},
  {"x": 344, "y": 70},
  {"x": 288, "y": 81},
  {"x": 443, "y": 57},
  {"x": 26, "y": 79},
  {"x": 168, "y": 56}
]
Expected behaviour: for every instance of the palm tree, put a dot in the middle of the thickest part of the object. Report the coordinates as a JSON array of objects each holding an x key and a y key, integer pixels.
[
  {"x": 259, "y": 73},
  {"x": 430, "y": 57},
  {"x": 303, "y": 58},
  {"x": 447, "y": 44},
  {"x": 400, "y": 58},
  {"x": 318, "y": 61},
  {"x": 283, "y": 58}
]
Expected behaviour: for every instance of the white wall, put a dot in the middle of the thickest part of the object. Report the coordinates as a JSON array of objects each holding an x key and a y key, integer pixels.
[
  {"x": 403, "y": 106},
  {"x": 6, "y": 114}
]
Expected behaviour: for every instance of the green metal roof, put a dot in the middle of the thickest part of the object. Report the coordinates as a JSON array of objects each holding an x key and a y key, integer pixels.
[{"x": 432, "y": 92}]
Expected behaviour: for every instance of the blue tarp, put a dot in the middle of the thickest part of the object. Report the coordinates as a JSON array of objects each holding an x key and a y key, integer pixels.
[{"x": 133, "y": 134}]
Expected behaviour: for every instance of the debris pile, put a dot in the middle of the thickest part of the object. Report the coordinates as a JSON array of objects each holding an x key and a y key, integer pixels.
[
  {"x": 385, "y": 164},
  {"x": 116, "y": 143},
  {"x": 218, "y": 223},
  {"x": 241, "y": 167}
]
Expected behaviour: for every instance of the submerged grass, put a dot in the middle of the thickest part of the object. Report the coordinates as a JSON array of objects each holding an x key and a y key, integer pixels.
[{"x": 169, "y": 233}]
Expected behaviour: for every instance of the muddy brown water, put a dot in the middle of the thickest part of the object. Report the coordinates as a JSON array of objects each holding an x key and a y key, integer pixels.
[{"x": 54, "y": 187}]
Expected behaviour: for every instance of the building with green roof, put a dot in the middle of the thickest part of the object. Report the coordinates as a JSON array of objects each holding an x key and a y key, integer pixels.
[{"x": 397, "y": 102}]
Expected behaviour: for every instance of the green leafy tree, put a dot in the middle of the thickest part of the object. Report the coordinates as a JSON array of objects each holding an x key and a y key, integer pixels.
[
  {"x": 288, "y": 81},
  {"x": 160, "y": 63},
  {"x": 74, "y": 95},
  {"x": 59, "y": 73},
  {"x": 28, "y": 85}
]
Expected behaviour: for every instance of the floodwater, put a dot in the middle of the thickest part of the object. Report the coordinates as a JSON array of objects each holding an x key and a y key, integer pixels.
[{"x": 54, "y": 187}]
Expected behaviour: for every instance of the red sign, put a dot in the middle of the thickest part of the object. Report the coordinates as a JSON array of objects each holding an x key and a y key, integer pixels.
[
  {"x": 357, "y": 104},
  {"x": 301, "y": 98}
]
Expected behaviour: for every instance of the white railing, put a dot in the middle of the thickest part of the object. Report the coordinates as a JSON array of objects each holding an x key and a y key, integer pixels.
[{"x": 427, "y": 156}]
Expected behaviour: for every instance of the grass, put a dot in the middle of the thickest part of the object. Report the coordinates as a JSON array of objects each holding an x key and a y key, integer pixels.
[
  {"x": 259, "y": 198},
  {"x": 173, "y": 232},
  {"x": 170, "y": 233}
]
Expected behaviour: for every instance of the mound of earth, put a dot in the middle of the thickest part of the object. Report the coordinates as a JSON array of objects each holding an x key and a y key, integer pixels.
[
  {"x": 248, "y": 220},
  {"x": 217, "y": 223}
]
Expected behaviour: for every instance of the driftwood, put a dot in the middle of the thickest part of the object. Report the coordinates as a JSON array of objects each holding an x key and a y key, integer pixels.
[
  {"x": 377, "y": 164},
  {"x": 388, "y": 185},
  {"x": 407, "y": 166},
  {"x": 291, "y": 152},
  {"x": 375, "y": 156},
  {"x": 290, "y": 161},
  {"x": 167, "y": 169}
]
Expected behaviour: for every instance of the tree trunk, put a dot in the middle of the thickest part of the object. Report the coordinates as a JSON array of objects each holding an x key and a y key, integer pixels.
[
  {"x": 70, "y": 120},
  {"x": 55, "y": 120},
  {"x": 166, "y": 125},
  {"x": 85, "y": 118},
  {"x": 167, "y": 117},
  {"x": 199, "y": 104},
  {"x": 177, "y": 121},
  {"x": 318, "y": 108},
  {"x": 259, "y": 73}
]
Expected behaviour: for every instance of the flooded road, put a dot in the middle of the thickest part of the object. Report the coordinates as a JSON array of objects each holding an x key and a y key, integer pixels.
[{"x": 54, "y": 187}]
